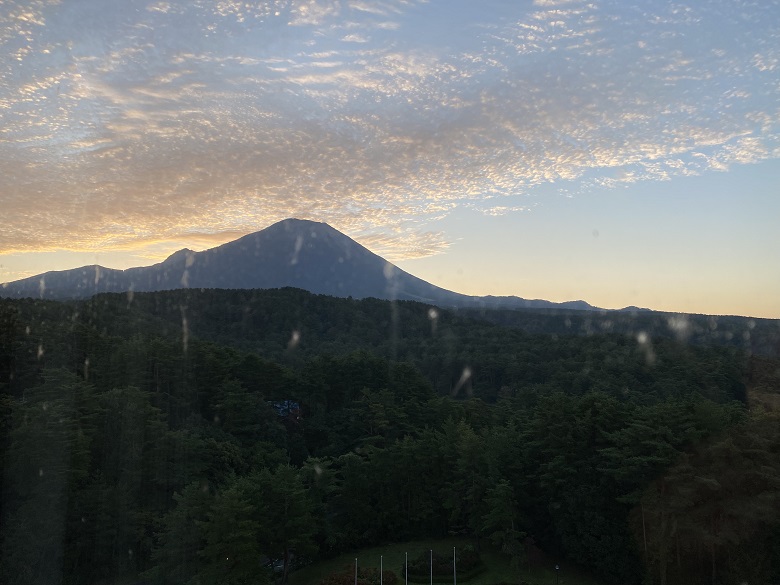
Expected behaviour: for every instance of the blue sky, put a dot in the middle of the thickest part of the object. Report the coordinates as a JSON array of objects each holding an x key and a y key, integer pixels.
[{"x": 624, "y": 153}]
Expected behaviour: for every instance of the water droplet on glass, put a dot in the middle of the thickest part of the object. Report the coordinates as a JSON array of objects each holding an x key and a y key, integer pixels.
[
  {"x": 297, "y": 249},
  {"x": 464, "y": 377},
  {"x": 295, "y": 338},
  {"x": 185, "y": 330},
  {"x": 433, "y": 315},
  {"x": 680, "y": 325}
]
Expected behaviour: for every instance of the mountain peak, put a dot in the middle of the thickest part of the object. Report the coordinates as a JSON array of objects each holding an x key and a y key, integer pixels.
[
  {"x": 296, "y": 223},
  {"x": 183, "y": 253}
]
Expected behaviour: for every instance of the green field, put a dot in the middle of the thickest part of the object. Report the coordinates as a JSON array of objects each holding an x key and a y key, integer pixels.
[{"x": 498, "y": 569}]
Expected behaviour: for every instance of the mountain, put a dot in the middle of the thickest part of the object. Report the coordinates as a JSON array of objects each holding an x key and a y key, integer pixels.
[{"x": 292, "y": 253}]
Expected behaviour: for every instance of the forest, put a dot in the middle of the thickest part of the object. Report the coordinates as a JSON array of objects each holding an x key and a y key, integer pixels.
[{"x": 194, "y": 437}]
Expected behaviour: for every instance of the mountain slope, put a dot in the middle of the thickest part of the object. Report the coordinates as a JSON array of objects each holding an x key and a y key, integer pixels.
[{"x": 292, "y": 253}]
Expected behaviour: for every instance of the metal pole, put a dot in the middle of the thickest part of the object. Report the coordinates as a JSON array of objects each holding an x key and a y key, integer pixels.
[
  {"x": 380, "y": 569},
  {"x": 355, "y": 570},
  {"x": 406, "y": 567},
  {"x": 431, "y": 566},
  {"x": 454, "y": 569}
]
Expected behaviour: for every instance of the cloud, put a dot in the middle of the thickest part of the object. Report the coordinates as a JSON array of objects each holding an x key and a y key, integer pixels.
[
  {"x": 404, "y": 244},
  {"x": 180, "y": 123}
]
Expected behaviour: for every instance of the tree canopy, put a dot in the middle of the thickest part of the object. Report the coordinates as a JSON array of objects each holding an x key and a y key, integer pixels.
[{"x": 272, "y": 428}]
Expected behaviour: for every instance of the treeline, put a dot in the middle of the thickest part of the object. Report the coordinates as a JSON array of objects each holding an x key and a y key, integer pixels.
[
  {"x": 191, "y": 437},
  {"x": 460, "y": 355},
  {"x": 751, "y": 335}
]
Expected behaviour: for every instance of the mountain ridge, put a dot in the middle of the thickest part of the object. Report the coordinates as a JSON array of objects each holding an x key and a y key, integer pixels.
[{"x": 291, "y": 253}]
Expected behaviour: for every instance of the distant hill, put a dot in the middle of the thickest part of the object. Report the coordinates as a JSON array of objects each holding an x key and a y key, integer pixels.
[{"x": 292, "y": 253}]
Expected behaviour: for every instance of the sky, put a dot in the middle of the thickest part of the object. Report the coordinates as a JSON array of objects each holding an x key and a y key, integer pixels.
[{"x": 616, "y": 151}]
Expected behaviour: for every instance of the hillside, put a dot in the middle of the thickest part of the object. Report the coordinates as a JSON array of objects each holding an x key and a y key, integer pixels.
[{"x": 180, "y": 437}]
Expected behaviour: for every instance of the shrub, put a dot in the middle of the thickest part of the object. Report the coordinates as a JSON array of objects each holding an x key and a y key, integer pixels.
[
  {"x": 467, "y": 560},
  {"x": 366, "y": 576}
]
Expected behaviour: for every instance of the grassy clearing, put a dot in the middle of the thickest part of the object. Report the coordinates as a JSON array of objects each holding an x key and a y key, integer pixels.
[{"x": 498, "y": 569}]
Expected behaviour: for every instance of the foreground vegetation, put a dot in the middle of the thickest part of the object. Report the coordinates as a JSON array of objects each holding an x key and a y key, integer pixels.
[
  {"x": 498, "y": 567},
  {"x": 194, "y": 437}
]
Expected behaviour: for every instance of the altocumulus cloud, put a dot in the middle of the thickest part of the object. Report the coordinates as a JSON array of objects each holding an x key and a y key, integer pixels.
[{"x": 135, "y": 124}]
